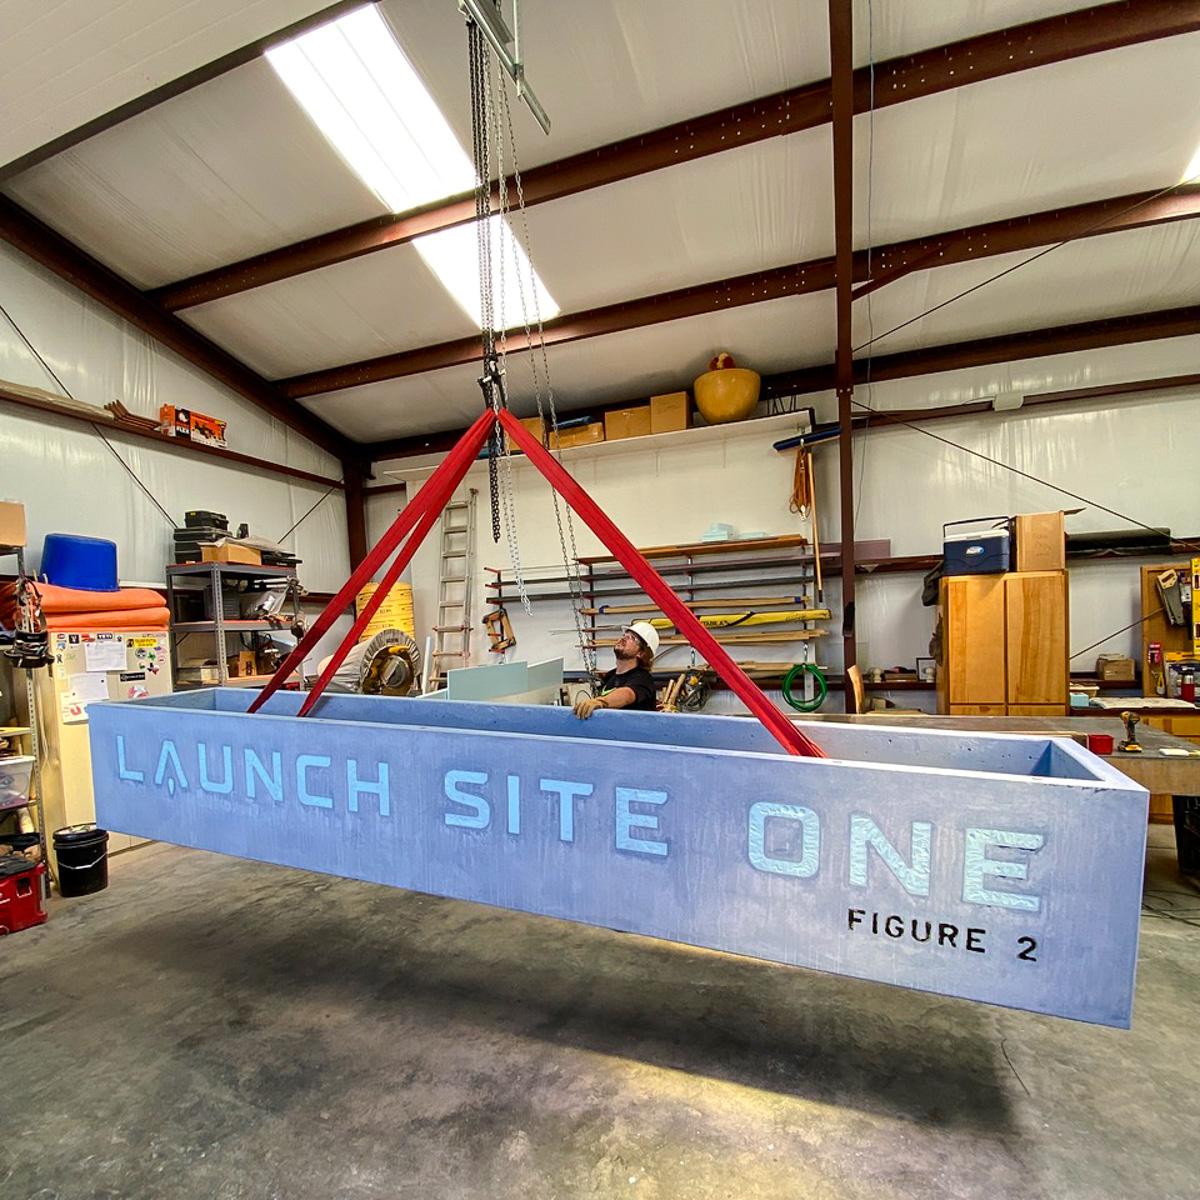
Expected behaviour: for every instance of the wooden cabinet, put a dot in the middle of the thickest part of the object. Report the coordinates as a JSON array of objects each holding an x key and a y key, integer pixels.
[
  {"x": 1035, "y": 611},
  {"x": 1004, "y": 644},
  {"x": 972, "y": 671}
]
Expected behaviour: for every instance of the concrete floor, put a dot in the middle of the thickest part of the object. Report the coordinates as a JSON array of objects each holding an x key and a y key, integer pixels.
[{"x": 209, "y": 1027}]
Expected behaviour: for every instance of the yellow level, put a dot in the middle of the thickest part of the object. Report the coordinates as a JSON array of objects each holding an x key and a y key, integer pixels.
[
  {"x": 784, "y": 635},
  {"x": 719, "y": 620}
]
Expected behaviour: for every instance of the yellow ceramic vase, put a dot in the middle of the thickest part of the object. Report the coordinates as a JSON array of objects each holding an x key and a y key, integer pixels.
[{"x": 729, "y": 395}]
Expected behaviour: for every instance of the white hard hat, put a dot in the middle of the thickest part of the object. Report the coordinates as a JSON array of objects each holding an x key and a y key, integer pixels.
[{"x": 646, "y": 632}]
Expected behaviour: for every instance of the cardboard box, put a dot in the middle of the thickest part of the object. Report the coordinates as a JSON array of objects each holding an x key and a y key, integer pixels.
[
  {"x": 626, "y": 422},
  {"x": 535, "y": 425},
  {"x": 196, "y": 427},
  {"x": 175, "y": 422},
  {"x": 579, "y": 435},
  {"x": 1041, "y": 542},
  {"x": 240, "y": 665},
  {"x": 1115, "y": 667},
  {"x": 670, "y": 413},
  {"x": 203, "y": 670},
  {"x": 228, "y": 552},
  {"x": 12, "y": 523}
]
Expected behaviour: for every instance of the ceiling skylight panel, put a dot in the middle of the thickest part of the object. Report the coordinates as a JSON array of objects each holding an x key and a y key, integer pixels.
[
  {"x": 453, "y": 256},
  {"x": 1192, "y": 174},
  {"x": 360, "y": 90}
]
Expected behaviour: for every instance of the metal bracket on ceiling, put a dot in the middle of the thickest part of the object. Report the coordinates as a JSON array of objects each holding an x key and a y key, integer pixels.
[{"x": 486, "y": 15}]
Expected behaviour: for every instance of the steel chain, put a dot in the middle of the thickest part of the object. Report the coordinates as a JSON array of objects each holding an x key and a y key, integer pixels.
[{"x": 571, "y": 558}]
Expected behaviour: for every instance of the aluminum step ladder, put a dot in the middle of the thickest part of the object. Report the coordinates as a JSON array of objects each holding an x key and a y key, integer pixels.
[{"x": 452, "y": 631}]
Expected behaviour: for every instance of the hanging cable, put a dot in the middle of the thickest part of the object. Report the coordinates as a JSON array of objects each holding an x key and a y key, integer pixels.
[
  {"x": 798, "y": 672},
  {"x": 129, "y": 471},
  {"x": 1106, "y": 220},
  {"x": 66, "y": 391},
  {"x": 887, "y": 418},
  {"x": 1108, "y": 636},
  {"x": 34, "y": 351},
  {"x": 321, "y": 500}
]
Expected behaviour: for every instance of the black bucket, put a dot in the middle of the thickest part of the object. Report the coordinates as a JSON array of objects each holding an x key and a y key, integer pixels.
[{"x": 82, "y": 853}]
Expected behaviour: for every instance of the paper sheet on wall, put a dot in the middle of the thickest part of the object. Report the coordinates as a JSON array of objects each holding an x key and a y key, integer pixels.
[
  {"x": 106, "y": 655},
  {"x": 89, "y": 686},
  {"x": 72, "y": 710}
]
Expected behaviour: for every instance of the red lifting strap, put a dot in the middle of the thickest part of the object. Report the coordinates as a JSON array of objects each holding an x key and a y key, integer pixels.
[
  {"x": 418, "y": 518},
  {"x": 432, "y": 498},
  {"x": 657, "y": 588}
]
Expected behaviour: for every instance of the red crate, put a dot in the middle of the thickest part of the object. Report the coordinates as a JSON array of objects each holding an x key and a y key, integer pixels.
[{"x": 21, "y": 899}]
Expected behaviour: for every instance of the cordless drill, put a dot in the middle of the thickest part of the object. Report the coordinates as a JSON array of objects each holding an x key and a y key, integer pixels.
[{"x": 1129, "y": 745}]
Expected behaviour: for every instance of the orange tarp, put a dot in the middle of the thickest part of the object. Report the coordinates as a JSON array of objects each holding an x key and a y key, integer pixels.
[
  {"x": 75, "y": 608},
  {"x": 127, "y": 618}
]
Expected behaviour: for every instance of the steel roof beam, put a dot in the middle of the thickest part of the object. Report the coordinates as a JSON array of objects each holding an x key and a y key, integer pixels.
[
  {"x": 1010, "y": 347},
  {"x": 45, "y": 246},
  {"x": 1114, "y": 215},
  {"x": 988, "y": 56},
  {"x": 1034, "y": 343}
]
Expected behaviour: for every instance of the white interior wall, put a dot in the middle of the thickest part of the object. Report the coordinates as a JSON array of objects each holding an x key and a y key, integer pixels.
[
  {"x": 1129, "y": 454},
  {"x": 71, "y": 482}
]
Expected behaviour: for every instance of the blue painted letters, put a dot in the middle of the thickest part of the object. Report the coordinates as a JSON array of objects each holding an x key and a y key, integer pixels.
[
  {"x": 627, "y": 821},
  {"x": 305, "y": 762},
  {"x": 481, "y": 811},
  {"x": 567, "y": 791},
  {"x": 807, "y": 828},
  {"x": 914, "y": 879},
  {"x": 977, "y": 865}
]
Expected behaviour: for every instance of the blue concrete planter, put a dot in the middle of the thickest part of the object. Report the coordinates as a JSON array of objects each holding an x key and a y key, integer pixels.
[{"x": 999, "y": 868}]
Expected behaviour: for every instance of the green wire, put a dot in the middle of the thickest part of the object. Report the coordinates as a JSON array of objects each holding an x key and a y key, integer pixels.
[{"x": 822, "y": 688}]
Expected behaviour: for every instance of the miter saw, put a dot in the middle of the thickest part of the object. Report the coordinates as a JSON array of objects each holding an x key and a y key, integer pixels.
[
  {"x": 387, "y": 664},
  {"x": 390, "y": 664}
]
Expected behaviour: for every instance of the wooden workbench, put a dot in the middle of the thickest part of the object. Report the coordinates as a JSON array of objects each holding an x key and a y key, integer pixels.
[{"x": 1178, "y": 777}]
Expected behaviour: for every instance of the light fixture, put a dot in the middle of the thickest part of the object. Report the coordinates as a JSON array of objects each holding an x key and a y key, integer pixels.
[
  {"x": 453, "y": 256},
  {"x": 359, "y": 89}
]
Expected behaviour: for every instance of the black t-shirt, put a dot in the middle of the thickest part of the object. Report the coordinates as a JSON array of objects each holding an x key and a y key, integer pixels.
[{"x": 640, "y": 680}]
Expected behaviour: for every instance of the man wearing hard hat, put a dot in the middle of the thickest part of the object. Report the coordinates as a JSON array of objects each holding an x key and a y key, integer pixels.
[{"x": 629, "y": 684}]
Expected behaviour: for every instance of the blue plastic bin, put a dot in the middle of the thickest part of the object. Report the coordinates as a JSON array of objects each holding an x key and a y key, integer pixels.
[{"x": 80, "y": 562}]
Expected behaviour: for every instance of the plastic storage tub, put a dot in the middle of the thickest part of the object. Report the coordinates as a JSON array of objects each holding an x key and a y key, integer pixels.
[
  {"x": 15, "y": 774},
  {"x": 80, "y": 562}
]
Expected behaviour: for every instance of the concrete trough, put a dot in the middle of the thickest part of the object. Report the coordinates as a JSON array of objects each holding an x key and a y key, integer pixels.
[{"x": 1001, "y": 868}]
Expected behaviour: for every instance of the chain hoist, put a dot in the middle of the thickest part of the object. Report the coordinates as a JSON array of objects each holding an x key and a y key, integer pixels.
[
  {"x": 491, "y": 381},
  {"x": 490, "y": 111}
]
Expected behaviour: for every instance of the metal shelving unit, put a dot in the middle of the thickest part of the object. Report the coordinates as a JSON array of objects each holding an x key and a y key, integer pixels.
[
  {"x": 713, "y": 576},
  {"x": 29, "y": 734},
  {"x": 201, "y": 590}
]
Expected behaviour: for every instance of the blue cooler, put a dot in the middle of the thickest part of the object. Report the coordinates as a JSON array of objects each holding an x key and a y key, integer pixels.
[
  {"x": 983, "y": 552},
  {"x": 79, "y": 562}
]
